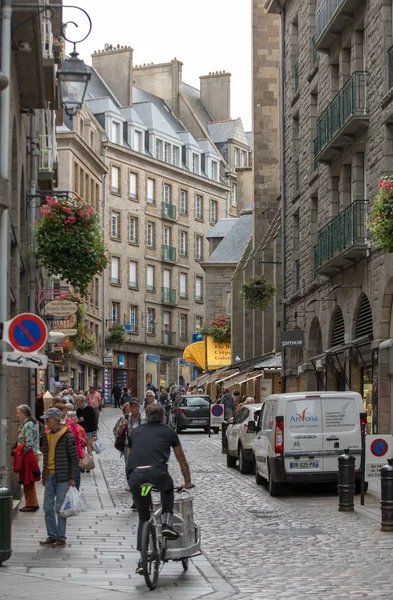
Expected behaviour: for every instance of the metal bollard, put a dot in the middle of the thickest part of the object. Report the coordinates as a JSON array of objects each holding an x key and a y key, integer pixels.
[
  {"x": 346, "y": 482},
  {"x": 224, "y": 443},
  {"x": 5, "y": 524},
  {"x": 387, "y": 496}
]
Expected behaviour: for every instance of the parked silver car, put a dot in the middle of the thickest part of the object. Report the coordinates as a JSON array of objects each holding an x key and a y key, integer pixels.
[{"x": 239, "y": 439}]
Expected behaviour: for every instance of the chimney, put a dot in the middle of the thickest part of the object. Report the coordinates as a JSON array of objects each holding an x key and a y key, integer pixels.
[
  {"x": 216, "y": 94},
  {"x": 115, "y": 67}
]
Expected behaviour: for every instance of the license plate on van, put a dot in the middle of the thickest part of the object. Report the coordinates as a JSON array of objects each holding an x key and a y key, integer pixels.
[{"x": 304, "y": 464}]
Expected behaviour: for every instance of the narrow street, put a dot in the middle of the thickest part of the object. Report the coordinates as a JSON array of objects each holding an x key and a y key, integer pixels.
[{"x": 255, "y": 547}]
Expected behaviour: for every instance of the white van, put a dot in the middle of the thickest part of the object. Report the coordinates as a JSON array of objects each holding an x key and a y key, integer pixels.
[{"x": 299, "y": 437}]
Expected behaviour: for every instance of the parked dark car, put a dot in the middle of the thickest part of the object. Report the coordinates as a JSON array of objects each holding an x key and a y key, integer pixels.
[{"x": 191, "y": 412}]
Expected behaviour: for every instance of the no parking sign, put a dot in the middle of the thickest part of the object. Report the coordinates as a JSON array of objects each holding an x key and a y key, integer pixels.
[
  {"x": 216, "y": 415},
  {"x": 378, "y": 449}
]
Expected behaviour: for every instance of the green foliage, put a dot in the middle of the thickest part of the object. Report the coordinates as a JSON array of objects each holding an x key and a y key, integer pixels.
[
  {"x": 258, "y": 292},
  {"x": 117, "y": 334},
  {"x": 86, "y": 344},
  {"x": 219, "y": 328},
  {"x": 82, "y": 342},
  {"x": 380, "y": 222},
  {"x": 69, "y": 241}
]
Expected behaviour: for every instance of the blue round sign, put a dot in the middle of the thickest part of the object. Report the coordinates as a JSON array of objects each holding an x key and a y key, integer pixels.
[
  {"x": 379, "y": 447},
  {"x": 217, "y": 410}
]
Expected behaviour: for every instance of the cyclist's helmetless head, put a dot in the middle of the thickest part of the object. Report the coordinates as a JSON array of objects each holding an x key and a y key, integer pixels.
[{"x": 155, "y": 413}]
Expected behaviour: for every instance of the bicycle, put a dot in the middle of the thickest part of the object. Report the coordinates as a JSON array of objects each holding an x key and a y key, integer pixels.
[{"x": 156, "y": 550}]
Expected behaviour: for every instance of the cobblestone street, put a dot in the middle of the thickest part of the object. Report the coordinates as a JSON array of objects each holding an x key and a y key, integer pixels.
[{"x": 255, "y": 547}]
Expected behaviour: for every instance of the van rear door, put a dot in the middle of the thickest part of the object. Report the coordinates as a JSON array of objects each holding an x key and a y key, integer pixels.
[
  {"x": 341, "y": 429},
  {"x": 303, "y": 444}
]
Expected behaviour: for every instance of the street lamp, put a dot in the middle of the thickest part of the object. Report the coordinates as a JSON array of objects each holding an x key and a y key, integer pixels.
[{"x": 73, "y": 79}]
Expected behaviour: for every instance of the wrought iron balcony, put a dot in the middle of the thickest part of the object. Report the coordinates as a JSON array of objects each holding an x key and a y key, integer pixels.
[
  {"x": 343, "y": 119},
  {"x": 169, "y": 338},
  {"x": 331, "y": 18},
  {"x": 168, "y": 253},
  {"x": 169, "y": 211},
  {"x": 168, "y": 295},
  {"x": 343, "y": 240}
]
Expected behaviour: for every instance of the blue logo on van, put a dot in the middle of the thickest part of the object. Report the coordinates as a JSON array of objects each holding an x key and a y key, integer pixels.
[{"x": 304, "y": 418}]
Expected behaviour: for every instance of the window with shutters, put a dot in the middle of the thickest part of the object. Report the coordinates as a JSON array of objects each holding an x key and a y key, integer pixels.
[
  {"x": 115, "y": 270},
  {"x": 150, "y": 278},
  {"x": 133, "y": 186},
  {"x": 133, "y": 275}
]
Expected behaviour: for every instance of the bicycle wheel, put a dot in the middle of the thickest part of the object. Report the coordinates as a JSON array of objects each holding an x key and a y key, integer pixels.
[{"x": 150, "y": 555}]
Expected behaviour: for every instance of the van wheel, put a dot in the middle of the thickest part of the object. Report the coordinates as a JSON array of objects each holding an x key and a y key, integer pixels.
[
  {"x": 259, "y": 480},
  {"x": 245, "y": 466},
  {"x": 275, "y": 489},
  {"x": 231, "y": 461}
]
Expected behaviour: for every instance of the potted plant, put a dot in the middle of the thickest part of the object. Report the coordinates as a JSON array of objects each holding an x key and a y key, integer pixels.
[
  {"x": 219, "y": 328},
  {"x": 380, "y": 222},
  {"x": 257, "y": 292},
  {"x": 69, "y": 242},
  {"x": 117, "y": 334}
]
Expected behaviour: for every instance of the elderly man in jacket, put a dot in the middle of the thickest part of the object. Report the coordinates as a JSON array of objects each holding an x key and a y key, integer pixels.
[{"x": 59, "y": 473}]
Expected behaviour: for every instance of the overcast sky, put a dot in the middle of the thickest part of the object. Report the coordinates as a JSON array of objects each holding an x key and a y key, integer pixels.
[{"x": 206, "y": 35}]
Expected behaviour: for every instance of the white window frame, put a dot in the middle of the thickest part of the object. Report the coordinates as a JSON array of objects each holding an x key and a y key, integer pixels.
[
  {"x": 150, "y": 234},
  {"x": 115, "y": 309},
  {"x": 213, "y": 211},
  {"x": 159, "y": 148},
  {"x": 199, "y": 207},
  {"x": 116, "y": 132},
  {"x": 196, "y": 159},
  {"x": 138, "y": 140},
  {"x": 133, "y": 185},
  {"x": 214, "y": 170},
  {"x": 151, "y": 320},
  {"x": 236, "y": 157},
  {"x": 151, "y": 188},
  {"x": 115, "y": 269},
  {"x": 167, "y": 193},
  {"x": 115, "y": 179},
  {"x": 167, "y": 236},
  {"x": 183, "y": 285},
  {"x": 150, "y": 277},
  {"x": 167, "y": 152},
  {"x": 115, "y": 225},
  {"x": 183, "y": 243},
  {"x": 133, "y": 274},
  {"x": 183, "y": 202},
  {"x": 183, "y": 327},
  {"x": 243, "y": 158},
  {"x": 234, "y": 195},
  {"x": 198, "y": 288},
  {"x": 175, "y": 155},
  {"x": 133, "y": 230},
  {"x": 133, "y": 322},
  {"x": 198, "y": 247}
]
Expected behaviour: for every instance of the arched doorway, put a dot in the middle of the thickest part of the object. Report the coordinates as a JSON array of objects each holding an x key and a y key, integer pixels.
[{"x": 364, "y": 362}]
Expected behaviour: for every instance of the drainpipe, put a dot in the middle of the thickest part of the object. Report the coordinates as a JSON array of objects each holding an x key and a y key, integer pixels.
[
  {"x": 4, "y": 223},
  {"x": 34, "y": 165},
  {"x": 283, "y": 197}
]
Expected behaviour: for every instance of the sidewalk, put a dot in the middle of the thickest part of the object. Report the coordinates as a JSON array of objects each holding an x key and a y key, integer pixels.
[{"x": 100, "y": 558}]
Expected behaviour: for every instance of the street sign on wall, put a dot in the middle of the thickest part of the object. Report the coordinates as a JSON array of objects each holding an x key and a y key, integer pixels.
[{"x": 378, "y": 449}]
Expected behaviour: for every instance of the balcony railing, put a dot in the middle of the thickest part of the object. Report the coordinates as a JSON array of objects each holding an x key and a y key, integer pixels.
[
  {"x": 169, "y": 210},
  {"x": 168, "y": 253},
  {"x": 47, "y": 157},
  {"x": 296, "y": 77},
  {"x": 168, "y": 295},
  {"x": 346, "y": 114},
  {"x": 169, "y": 338},
  {"x": 343, "y": 240},
  {"x": 390, "y": 63},
  {"x": 331, "y": 18},
  {"x": 46, "y": 37}
]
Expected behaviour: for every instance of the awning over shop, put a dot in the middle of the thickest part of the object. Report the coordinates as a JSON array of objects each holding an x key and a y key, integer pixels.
[
  {"x": 183, "y": 361},
  {"x": 196, "y": 354},
  {"x": 153, "y": 358}
]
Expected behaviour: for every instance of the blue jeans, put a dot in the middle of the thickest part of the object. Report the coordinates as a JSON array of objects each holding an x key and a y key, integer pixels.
[{"x": 55, "y": 494}]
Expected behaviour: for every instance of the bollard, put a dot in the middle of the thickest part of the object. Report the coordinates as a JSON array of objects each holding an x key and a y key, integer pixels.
[
  {"x": 5, "y": 524},
  {"x": 346, "y": 482},
  {"x": 387, "y": 496},
  {"x": 224, "y": 443}
]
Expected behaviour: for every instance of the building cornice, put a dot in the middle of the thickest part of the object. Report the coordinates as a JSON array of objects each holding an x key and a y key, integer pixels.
[{"x": 81, "y": 147}]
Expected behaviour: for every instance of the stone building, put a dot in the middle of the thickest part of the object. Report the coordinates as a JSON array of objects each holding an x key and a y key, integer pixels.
[
  {"x": 28, "y": 166},
  {"x": 164, "y": 192},
  {"x": 338, "y": 143}
]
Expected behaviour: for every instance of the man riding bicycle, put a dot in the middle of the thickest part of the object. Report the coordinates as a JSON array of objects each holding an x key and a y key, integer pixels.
[{"x": 150, "y": 447}]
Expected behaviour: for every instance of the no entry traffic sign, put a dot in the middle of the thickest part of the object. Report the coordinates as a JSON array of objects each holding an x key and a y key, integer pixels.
[
  {"x": 26, "y": 332},
  {"x": 379, "y": 447}
]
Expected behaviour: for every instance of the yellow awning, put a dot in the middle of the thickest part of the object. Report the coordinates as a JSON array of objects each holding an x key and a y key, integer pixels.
[{"x": 196, "y": 353}]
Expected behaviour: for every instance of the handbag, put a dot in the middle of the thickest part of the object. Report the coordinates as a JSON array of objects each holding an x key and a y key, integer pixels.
[
  {"x": 120, "y": 442},
  {"x": 87, "y": 462}
]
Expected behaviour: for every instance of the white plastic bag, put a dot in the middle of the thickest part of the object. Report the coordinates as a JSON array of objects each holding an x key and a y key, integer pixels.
[
  {"x": 73, "y": 504},
  {"x": 98, "y": 446}
]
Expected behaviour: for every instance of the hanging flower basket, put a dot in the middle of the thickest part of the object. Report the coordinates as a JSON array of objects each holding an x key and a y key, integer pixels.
[
  {"x": 85, "y": 345},
  {"x": 69, "y": 241},
  {"x": 258, "y": 292},
  {"x": 58, "y": 49},
  {"x": 219, "y": 328},
  {"x": 117, "y": 334},
  {"x": 380, "y": 222}
]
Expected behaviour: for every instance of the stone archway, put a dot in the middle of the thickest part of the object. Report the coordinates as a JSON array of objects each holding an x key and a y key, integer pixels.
[{"x": 363, "y": 318}]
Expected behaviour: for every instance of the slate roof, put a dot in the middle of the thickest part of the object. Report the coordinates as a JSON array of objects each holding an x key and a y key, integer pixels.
[
  {"x": 194, "y": 97},
  {"x": 97, "y": 88},
  {"x": 207, "y": 147},
  {"x": 221, "y": 228},
  {"x": 102, "y": 105},
  {"x": 139, "y": 96},
  {"x": 234, "y": 243},
  {"x": 273, "y": 362},
  {"x": 221, "y": 131},
  {"x": 153, "y": 118}
]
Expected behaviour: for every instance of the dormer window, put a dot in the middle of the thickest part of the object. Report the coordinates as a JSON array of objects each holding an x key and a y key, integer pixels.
[
  {"x": 175, "y": 155},
  {"x": 167, "y": 152},
  {"x": 115, "y": 133},
  {"x": 214, "y": 170},
  {"x": 159, "y": 148},
  {"x": 236, "y": 157},
  {"x": 138, "y": 141},
  {"x": 195, "y": 163},
  {"x": 243, "y": 159}
]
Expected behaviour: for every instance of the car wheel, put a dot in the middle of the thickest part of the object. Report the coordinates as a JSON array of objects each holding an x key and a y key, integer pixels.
[
  {"x": 245, "y": 466},
  {"x": 275, "y": 489},
  {"x": 259, "y": 480},
  {"x": 231, "y": 461}
]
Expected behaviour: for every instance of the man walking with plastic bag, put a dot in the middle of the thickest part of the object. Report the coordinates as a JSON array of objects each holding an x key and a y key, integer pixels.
[{"x": 59, "y": 473}]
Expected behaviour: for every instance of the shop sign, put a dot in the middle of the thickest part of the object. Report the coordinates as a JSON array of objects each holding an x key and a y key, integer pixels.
[
  {"x": 121, "y": 361},
  {"x": 218, "y": 353},
  {"x": 108, "y": 356},
  {"x": 378, "y": 449},
  {"x": 61, "y": 308},
  {"x": 66, "y": 325},
  {"x": 292, "y": 339}
]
